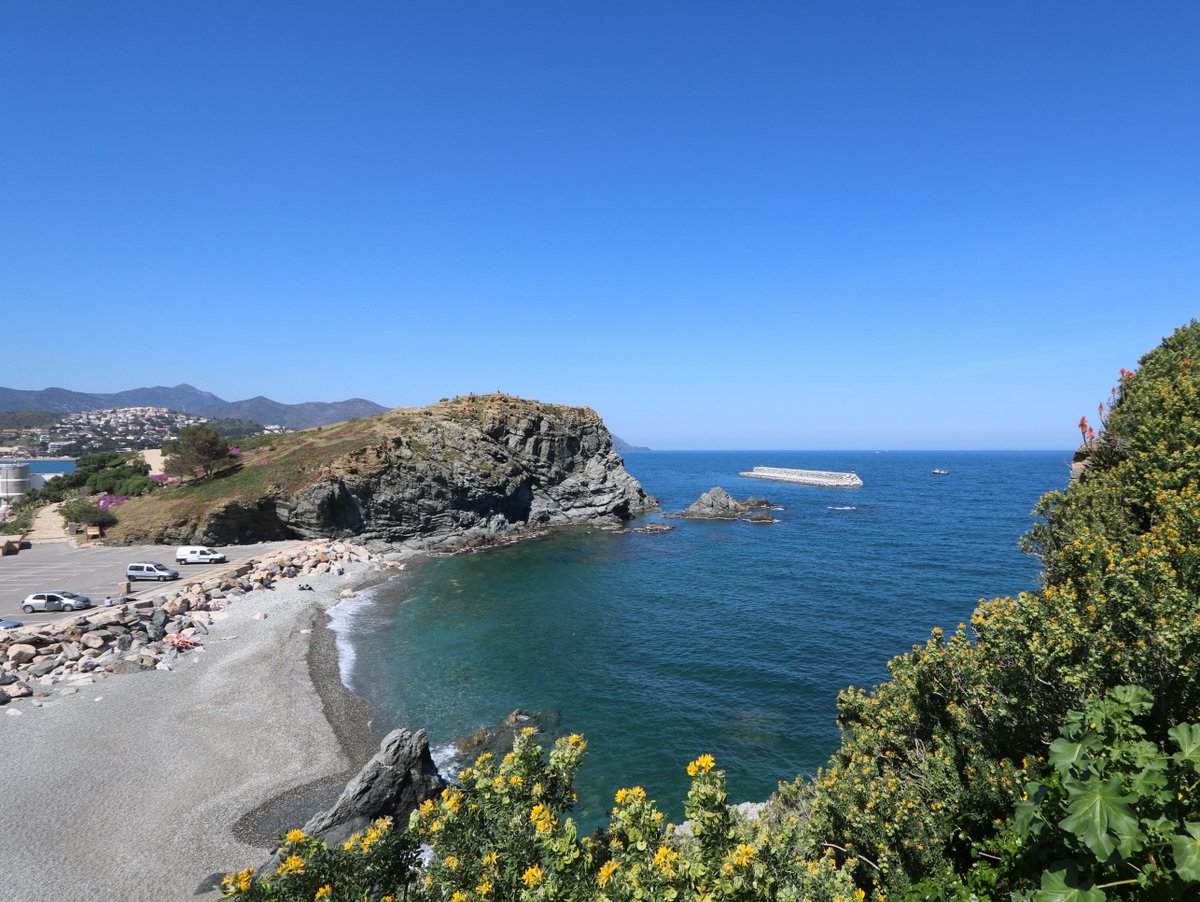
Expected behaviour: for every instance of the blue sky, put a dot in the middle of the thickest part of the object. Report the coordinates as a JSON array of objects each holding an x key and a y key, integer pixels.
[{"x": 750, "y": 225}]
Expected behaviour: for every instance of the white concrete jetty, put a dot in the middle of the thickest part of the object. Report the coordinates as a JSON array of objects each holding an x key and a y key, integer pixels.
[{"x": 826, "y": 478}]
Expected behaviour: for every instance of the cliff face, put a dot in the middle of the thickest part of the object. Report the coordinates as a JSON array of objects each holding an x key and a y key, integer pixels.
[{"x": 462, "y": 472}]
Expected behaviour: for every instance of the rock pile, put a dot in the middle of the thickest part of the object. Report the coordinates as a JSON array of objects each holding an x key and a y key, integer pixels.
[{"x": 68, "y": 655}]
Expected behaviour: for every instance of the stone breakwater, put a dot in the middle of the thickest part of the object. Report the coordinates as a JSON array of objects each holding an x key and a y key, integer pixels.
[
  {"x": 824, "y": 478},
  {"x": 66, "y": 656}
]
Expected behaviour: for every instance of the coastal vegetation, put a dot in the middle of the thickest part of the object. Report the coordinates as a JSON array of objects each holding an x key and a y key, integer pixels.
[
  {"x": 1049, "y": 750},
  {"x": 106, "y": 474}
]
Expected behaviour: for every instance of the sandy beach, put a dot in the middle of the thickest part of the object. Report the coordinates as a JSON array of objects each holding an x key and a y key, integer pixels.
[{"x": 151, "y": 786}]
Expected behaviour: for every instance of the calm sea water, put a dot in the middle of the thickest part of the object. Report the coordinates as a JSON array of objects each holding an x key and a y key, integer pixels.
[
  {"x": 46, "y": 465},
  {"x": 722, "y": 637}
]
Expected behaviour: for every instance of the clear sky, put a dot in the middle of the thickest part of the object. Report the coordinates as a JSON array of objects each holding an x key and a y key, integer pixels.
[{"x": 722, "y": 225}]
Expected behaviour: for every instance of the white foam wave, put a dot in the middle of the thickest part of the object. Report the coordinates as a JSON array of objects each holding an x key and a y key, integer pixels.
[
  {"x": 443, "y": 757},
  {"x": 342, "y": 618},
  {"x": 841, "y": 507}
]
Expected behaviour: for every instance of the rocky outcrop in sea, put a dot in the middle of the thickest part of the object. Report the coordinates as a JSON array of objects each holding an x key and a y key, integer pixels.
[{"x": 718, "y": 504}]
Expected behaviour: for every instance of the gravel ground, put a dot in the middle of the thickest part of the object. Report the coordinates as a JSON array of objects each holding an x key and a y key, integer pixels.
[{"x": 133, "y": 788}]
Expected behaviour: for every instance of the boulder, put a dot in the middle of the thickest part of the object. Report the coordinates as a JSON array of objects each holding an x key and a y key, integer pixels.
[
  {"x": 21, "y": 653},
  {"x": 394, "y": 783},
  {"x": 16, "y": 690},
  {"x": 95, "y": 639}
]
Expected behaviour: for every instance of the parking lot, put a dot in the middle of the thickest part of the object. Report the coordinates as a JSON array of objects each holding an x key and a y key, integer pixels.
[{"x": 96, "y": 571}]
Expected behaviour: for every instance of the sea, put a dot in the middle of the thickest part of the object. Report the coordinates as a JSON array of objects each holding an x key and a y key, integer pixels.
[
  {"x": 54, "y": 465},
  {"x": 727, "y": 638}
]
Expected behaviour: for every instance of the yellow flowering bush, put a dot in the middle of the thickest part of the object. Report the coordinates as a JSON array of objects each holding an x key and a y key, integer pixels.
[
  {"x": 375, "y": 863},
  {"x": 933, "y": 762}
]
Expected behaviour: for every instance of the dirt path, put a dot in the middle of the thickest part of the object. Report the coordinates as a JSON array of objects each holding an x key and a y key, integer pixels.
[{"x": 48, "y": 526}]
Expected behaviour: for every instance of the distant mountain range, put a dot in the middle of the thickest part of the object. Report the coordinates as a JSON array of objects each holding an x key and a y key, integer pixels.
[{"x": 187, "y": 399}]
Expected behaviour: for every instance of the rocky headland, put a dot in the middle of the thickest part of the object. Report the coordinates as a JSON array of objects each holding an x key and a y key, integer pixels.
[{"x": 469, "y": 471}]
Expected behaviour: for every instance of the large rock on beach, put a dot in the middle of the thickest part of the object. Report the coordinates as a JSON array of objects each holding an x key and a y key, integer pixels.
[{"x": 394, "y": 783}]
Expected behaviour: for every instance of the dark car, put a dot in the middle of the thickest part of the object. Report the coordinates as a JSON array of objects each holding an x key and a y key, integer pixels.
[{"x": 10, "y": 624}]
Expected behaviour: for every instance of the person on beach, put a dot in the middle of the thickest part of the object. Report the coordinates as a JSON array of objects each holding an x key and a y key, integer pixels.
[{"x": 108, "y": 602}]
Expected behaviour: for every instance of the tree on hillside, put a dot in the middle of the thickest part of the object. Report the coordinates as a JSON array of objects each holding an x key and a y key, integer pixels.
[{"x": 197, "y": 448}]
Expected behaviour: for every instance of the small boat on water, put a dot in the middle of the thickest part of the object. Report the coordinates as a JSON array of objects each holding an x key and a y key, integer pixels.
[{"x": 938, "y": 472}]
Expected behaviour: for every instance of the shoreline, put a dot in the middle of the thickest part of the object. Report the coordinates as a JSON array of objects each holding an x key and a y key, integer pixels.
[
  {"x": 159, "y": 784},
  {"x": 349, "y": 716}
]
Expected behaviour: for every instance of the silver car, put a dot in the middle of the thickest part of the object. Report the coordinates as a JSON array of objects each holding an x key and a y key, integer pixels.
[
  {"x": 54, "y": 601},
  {"x": 150, "y": 570}
]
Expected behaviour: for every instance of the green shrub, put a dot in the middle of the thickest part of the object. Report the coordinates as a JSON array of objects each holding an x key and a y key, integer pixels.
[{"x": 83, "y": 511}]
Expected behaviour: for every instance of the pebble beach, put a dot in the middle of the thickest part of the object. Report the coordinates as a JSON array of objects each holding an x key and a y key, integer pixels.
[{"x": 153, "y": 785}]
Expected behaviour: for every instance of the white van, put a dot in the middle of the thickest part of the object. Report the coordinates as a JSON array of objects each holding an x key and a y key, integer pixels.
[{"x": 198, "y": 554}]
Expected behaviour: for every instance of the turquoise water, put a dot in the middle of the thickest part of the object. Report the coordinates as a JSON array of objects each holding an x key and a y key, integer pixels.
[{"x": 722, "y": 637}]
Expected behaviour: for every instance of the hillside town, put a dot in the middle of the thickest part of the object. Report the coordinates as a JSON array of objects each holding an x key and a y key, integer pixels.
[{"x": 118, "y": 429}]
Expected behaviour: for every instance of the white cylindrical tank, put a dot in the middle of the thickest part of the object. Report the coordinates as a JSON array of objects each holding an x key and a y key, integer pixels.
[{"x": 14, "y": 479}]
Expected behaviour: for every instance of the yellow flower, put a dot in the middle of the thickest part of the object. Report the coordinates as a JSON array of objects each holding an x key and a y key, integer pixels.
[
  {"x": 633, "y": 794},
  {"x": 351, "y": 842},
  {"x": 542, "y": 819},
  {"x": 532, "y": 876},
  {"x": 451, "y": 862},
  {"x": 490, "y": 859},
  {"x": 484, "y": 887},
  {"x": 372, "y": 834},
  {"x": 426, "y": 809},
  {"x": 324, "y": 892},
  {"x": 295, "y": 836},
  {"x": 606, "y": 871},
  {"x": 453, "y": 800},
  {"x": 459, "y": 896},
  {"x": 743, "y": 855},
  {"x": 701, "y": 765},
  {"x": 233, "y": 884},
  {"x": 664, "y": 860},
  {"x": 293, "y": 864}
]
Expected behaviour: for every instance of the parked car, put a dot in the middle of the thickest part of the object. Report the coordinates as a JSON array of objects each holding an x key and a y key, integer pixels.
[
  {"x": 150, "y": 570},
  {"x": 10, "y": 624},
  {"x": 198, "y": 554},
  {"x": 54, "y": 601}
]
